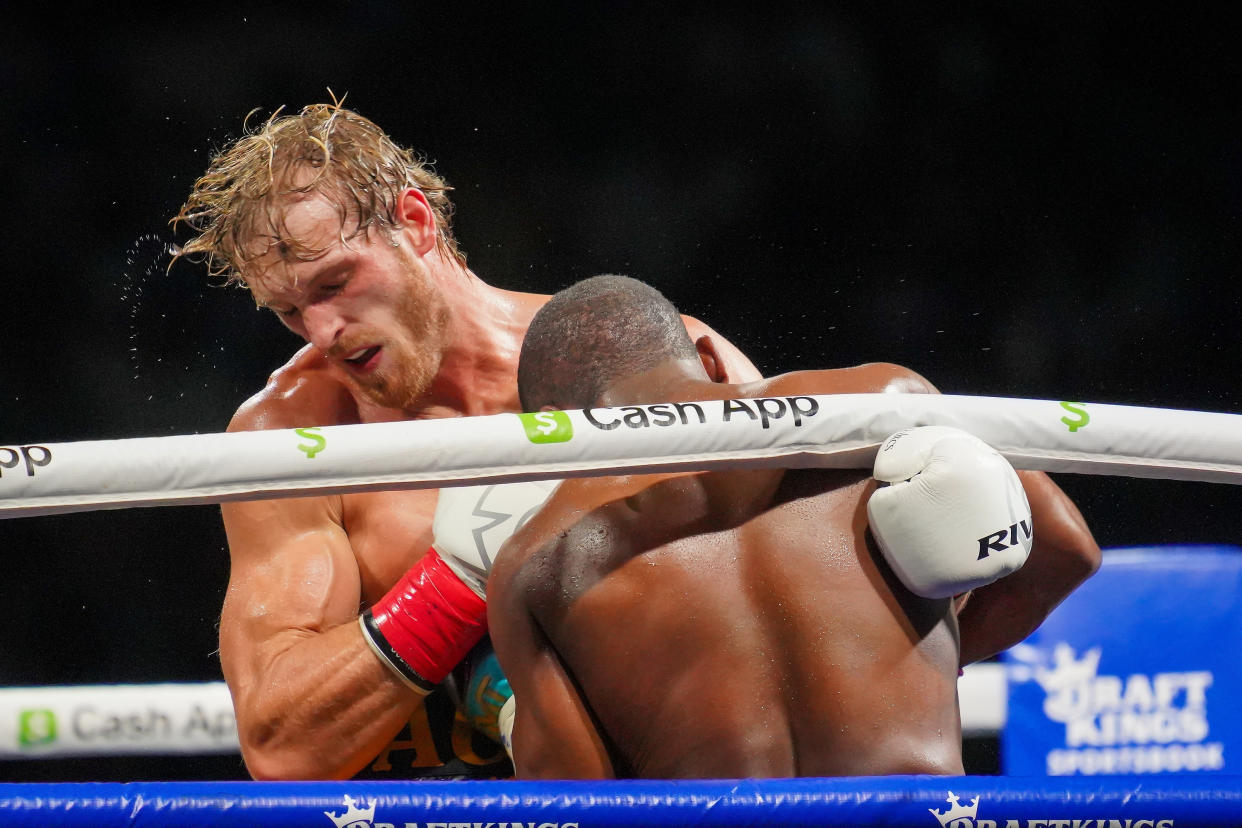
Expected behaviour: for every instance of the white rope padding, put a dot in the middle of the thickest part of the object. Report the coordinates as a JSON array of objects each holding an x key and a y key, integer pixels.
[
  {"x": 193, "y": 718},
  {"x": 196, "y": 718},
  {"x": 832, "y": 431}
]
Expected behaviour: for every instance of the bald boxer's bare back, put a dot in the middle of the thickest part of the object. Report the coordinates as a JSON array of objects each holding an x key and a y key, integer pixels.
[{"x": 729, "y": 624}]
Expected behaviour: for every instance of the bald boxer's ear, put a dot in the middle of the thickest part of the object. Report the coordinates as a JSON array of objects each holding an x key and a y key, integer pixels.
[
  {"x": 417, "y": 219},
  {"x": 710, "y": 357}
]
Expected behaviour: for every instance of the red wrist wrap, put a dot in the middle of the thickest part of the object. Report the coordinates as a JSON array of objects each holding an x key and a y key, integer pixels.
[{"x": 427, "y": 622}]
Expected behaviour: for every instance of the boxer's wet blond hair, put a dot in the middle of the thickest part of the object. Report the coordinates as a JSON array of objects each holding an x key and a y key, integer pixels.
[{"x": 325, "y": 149}]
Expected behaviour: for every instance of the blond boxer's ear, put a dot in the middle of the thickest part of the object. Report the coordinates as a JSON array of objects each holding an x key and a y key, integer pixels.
[
  {"x": 417, "y": 219},
  {"x": 710, "y": 357}
]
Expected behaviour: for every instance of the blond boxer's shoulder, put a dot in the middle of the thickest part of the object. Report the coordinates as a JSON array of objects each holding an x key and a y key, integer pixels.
[{"x": 305, "y": 391}]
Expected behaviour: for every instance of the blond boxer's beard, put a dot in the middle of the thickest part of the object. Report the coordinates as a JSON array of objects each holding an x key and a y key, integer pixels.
[{"x": 413, "y": 360}]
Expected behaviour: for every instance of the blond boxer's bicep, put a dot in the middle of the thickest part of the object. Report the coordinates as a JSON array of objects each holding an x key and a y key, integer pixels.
[{"x": 312, "y": 700}]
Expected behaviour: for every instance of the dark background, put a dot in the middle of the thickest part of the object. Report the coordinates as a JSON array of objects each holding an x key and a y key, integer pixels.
[{"x": 1022, "y": 199}]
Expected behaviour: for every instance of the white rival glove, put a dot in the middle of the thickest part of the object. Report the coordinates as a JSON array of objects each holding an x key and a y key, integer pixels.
[
  {"x": 954, "y": 515},
  {"x": 472, "y": 522}
]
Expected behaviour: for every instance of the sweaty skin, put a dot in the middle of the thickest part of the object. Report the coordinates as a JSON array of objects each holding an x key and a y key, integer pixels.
[
  {"x": 741, "y": 624},
  {"x": 312, "y": 700}
]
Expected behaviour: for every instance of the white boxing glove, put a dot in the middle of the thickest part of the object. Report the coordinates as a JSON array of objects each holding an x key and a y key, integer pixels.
[
  {"x": 953, "y": 516},
  {"x": 472, "y": 522}
]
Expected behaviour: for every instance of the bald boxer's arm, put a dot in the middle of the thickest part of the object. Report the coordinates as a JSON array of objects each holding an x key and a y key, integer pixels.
[
  {"x": 1064, "y": 554},
  {"x": 553, "y": 734}
]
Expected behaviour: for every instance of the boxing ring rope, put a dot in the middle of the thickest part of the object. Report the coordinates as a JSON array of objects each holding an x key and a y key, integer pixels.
[
  {"x": 834, "y": 431},
  {"x": 837, "y": 431}
]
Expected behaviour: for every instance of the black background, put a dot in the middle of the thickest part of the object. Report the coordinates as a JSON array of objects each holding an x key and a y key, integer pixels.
[{"x": 1023, "y": 199}]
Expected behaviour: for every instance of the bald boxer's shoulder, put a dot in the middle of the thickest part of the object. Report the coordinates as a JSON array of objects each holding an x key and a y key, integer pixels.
[
  {"x": 589, "y": 499},
  {"x": 571, "y": 499},
  {"x": 868, "y": 378},
  {"x": 872, "y": 377},
  {"x": 305, "y": 391}
]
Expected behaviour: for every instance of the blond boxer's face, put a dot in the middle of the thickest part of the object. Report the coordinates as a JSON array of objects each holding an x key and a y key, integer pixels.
[{"x": 367, "y": 302}]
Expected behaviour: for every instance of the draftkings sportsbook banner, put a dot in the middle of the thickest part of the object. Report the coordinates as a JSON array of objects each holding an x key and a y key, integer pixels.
[{"x": 1138, "y": 672}]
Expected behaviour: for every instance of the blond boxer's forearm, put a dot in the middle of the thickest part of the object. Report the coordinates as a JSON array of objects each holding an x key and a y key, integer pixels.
[
  {"x": 320, "y": 709},
  {"x": 312, "y": 700}
]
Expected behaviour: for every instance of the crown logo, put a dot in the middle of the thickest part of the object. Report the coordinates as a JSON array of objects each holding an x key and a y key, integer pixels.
[
  {"x": 957, "y": 812},
  {"x": 354, "y": 817},
  {"x": 1068, "y": 671}
]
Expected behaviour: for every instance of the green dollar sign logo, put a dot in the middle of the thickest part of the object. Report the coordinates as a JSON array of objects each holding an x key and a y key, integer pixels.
[
  {"x": 318, "y": 441},
  {"x": 547, "y": 426},
  {"x": 1081, "y": 418},
  {"x": 36, "y": 727}
]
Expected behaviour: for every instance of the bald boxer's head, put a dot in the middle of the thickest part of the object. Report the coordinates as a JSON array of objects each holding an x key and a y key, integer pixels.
[
  {"x": 237, "y": 208},
  {"x": 594, "y": 333}
]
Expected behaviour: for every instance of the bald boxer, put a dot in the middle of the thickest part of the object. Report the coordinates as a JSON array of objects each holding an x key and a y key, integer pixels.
[
  {"x": 341, "y": 632},
  {"x": 746, "y": 623}
]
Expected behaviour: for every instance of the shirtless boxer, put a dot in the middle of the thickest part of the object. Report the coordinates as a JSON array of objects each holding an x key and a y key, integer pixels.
[
  {"x": 335, "y": 623},
  {"x": 742, "y": 623}
]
